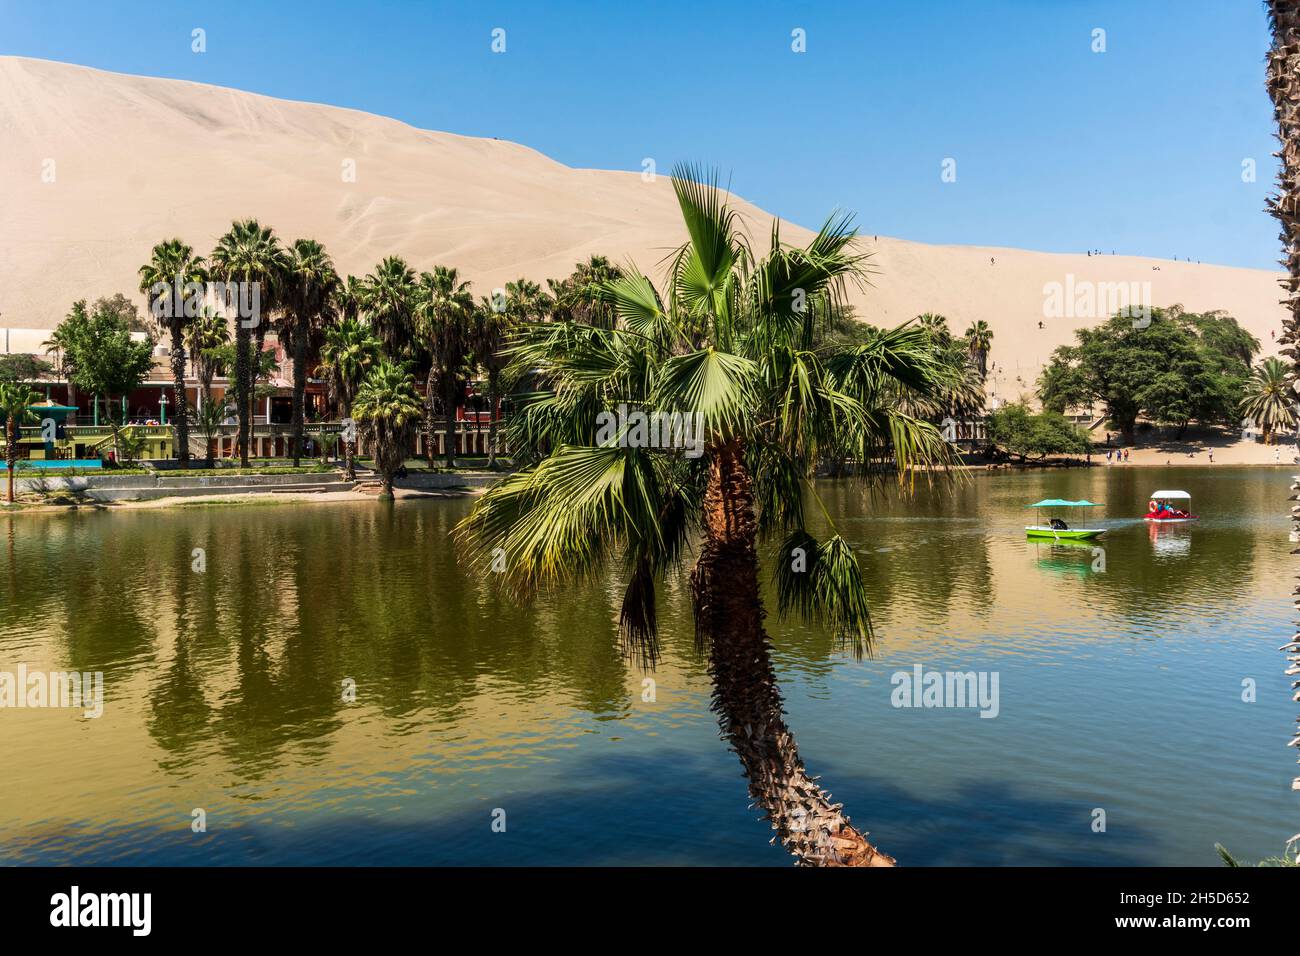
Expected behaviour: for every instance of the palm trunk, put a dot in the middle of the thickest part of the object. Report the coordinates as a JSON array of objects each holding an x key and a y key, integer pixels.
[
  {"x": 492, "y": 421},
  {"x": 180, "y": 409},
  {"x": 349, "y": 446},
  {"x": 241, "y": 390},
  {"x": 299, "y": 388},
  {"x": 1283, "y": 81},
  {"x": 11, "y": 452},
  {"x": 429, "y": 454},
  {"x": 450, "y": 410},
  {"x": 729, "y": 615}
]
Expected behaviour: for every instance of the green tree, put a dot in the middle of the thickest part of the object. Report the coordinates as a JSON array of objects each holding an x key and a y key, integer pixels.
[
  {"x": 491, "y": 334},
  {"x": 390, "y": 296},
  {"x": 104, "y": 358},
  {"x": 1020, "y": 432},
  {"x": 251, "y": 254},
  {"x": 349, "y": 353},
  {"x": 387, "y": 408},
  {"x": 1176, "y": 368},
  {"x": 1269, "y": 401},
  {"x": 208, "y": 418},
  {"x": 171, "y": 266},
  {"x": 206, "y": 341},
  {"x": 309, "y": 284},
  {"x": 15, "y": 397},
  {"x": 579, "y": 296},
  {"x": 444, "y": 317},
  {"x": 979, "y": 340},
  {"x": 731, "y": 349}
]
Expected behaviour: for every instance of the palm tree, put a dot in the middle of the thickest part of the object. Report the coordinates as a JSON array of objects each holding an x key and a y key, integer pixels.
[
  {"x": 349, "y": 353},
  {"x": 578, "y": 298},
  {"x": 491, "y": 334},
  {"x": 443, "y": 318},
  {"x": 15, "y": 397},
  {"x": 1283, "y": 82},
  {"x": 1268, "y": 401},
  {"x": 205, "y": 339},
  {"x": 309, "y": 284},
  {"x": 936, "y": 326},
  {"x": 729, "y": 347},
  {"x": 209, "y": 418},
  {"x": 249, "y": 253},
  {"x": 389, "y": 299},
  {"x": 979, "y": 340},
  {"x": 173, "y": 264},
  {"x": 388, "y": 408}
]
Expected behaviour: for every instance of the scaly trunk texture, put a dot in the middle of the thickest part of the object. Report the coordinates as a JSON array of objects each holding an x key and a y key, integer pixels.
[
  {"x": 181, "y": 422},
  {"x": 429, "y": 454},
  {"x": 1283, "y": 81},
  {"x": 11, "y": 452},
  {"x": 729, "y": 614},
  {"x": 450, "y": 402},
  {"x": 241, "y": 389},
  {"x": 492, "y": 421},
  {"x": 349, "y": 447},
  {"x": 299, "y": 389}
]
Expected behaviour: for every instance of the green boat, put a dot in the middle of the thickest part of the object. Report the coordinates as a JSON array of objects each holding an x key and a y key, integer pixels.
[{"x": 1056, "y": 528}]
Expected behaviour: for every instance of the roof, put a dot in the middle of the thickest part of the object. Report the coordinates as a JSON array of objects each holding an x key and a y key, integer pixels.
[
  {"x": 1062, "y": 503},
  {"x": 1171, "y": 494}
]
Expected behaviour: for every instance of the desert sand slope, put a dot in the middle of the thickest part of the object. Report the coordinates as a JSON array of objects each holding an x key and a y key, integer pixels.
[{"x": 134, "y": 160}]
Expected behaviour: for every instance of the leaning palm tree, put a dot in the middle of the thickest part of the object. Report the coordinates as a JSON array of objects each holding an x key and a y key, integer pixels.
[
  {"x": 748, "y": 404},
  {"x": 1283, "y": 82},
  {"x": 349, "y": 352},
  {"x": 15, "y": 397},
  {"x": 979, "y": 340},
  {"x": 309, "y": 284},
  {"x": 387, "y": 408},
  {"x": 443, "y": 318},
  {"x": 249, "y": 253},
  {"x": 1269, "y": 401},
  {"x": 172, "y": 265}
]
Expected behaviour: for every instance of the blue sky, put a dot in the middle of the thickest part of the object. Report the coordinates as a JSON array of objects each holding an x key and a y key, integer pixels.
[{"x": 1138, "y": 149}]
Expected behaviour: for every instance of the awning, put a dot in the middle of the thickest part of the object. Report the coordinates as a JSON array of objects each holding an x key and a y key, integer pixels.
[
  {"x": 1062, "y": 503},
  {"x": 1171, "y": 494}
]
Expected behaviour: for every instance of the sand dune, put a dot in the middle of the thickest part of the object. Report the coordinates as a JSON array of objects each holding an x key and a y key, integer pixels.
[{"x": 133, "y": 160}]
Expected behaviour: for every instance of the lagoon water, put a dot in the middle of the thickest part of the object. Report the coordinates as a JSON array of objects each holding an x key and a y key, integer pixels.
[{"x": 1120, "y": 673}]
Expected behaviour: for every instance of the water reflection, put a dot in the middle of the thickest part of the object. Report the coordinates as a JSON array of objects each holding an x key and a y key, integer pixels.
[{"x": 225, "y": 687}]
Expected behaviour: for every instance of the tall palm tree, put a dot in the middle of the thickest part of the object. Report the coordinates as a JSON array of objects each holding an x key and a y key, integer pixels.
[
  {"x": 1283, "y": 82},
  {"x": 309, "y": 284},
  {"x": 349, "y": 353},
  {"x": 979, "y": 340},
  {"x": 173, "y": 264},
  {"x": 491, "y": 335},
  {"x": 1269, "y": 401},
  {"x": 15, "y": 397},
  {"x": 729, "y": 343},
  {"x": 387, "y": 407},
  {"x": 443, "y": 318},
  {"x": 389, "y": 299},
  {"x": 249, "y": 253}
]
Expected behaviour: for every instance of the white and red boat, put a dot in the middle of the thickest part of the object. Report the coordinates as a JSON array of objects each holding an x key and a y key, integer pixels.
[{"x": 1169, "y": 507}]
